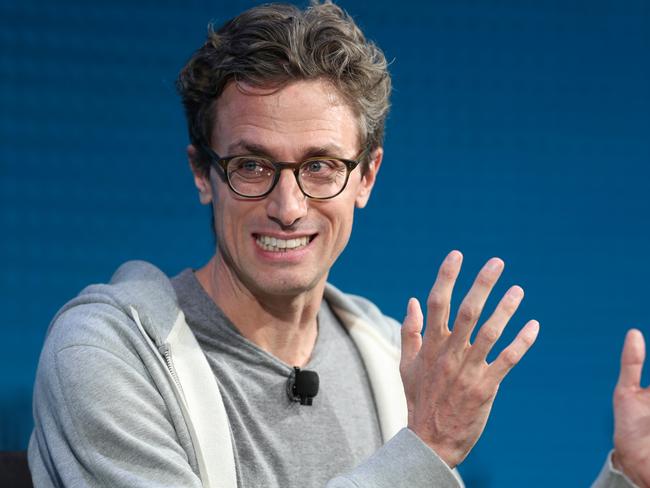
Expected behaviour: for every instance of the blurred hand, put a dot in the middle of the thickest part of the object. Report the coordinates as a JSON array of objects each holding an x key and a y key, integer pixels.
[
  {"x": 449, "y": 386},
  {"x": 632, "y": 414}
]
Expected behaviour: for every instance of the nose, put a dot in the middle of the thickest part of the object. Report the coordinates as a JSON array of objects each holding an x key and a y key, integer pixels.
[{"x": 286, "y": 204}]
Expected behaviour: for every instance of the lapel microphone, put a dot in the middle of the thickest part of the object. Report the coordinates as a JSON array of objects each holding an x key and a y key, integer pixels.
[{"x": 302, "y": 386}]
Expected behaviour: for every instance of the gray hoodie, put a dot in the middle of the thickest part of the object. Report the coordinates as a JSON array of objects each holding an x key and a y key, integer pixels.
[{"x": 124, "y": 396}]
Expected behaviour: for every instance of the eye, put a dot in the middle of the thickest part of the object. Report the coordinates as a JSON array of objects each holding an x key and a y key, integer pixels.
[
  {"x": 322, "y": 170},
  {"x": 321, "y": 167},
  {"x": 315, "y": 166},
  {"x": 250, "y": 167}
]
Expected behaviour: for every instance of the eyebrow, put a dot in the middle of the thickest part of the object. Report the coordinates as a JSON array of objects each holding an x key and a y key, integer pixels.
[{"x": 260, "y": 150}]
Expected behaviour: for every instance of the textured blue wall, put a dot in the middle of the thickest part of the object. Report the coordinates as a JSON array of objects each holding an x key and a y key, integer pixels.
[{"x": 519, "y": 129}]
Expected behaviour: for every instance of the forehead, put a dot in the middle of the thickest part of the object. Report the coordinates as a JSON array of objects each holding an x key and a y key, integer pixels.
[{"x": 288, "y": 120}]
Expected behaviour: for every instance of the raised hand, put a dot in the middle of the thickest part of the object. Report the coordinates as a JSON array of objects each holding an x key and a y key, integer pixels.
[
  {"x": 632, "y": 414},
  {"x": 449, "y": 386}
]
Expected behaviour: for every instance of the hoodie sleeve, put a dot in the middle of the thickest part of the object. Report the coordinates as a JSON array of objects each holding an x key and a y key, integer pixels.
[
  {"x": 404, "y": 461},
  {"x": 100, "y": 419},
  {"x": 610, "y": 477}
]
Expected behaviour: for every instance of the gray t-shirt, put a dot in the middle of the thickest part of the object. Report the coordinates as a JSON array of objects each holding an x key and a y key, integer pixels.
[{"x": 278, "y": 442}]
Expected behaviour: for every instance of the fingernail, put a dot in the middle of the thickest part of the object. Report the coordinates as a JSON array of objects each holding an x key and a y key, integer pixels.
[
  {"x": 493, "y": 264},
  {"x": 454, "y": 256},
  {"x": 516, "y": 292}
]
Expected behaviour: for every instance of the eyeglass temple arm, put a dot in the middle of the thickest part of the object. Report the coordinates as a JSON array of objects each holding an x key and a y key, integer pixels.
[{"x": 214, "y": 160}]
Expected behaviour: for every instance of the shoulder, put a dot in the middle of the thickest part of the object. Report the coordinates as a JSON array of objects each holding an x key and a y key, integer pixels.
[
  {"x": 100, "y": 320},
  {"x": 94, "y": 350},
  {"x": 100, "y": 374},
  {"x": 362, "y": 308},
  {"x": 102, "y": 314}
]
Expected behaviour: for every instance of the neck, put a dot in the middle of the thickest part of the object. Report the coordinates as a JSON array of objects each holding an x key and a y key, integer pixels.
[{"x": 284, "y": 326}]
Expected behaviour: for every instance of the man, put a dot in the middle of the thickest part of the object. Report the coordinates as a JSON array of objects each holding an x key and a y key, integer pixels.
[{"x": 192, "y": 382}]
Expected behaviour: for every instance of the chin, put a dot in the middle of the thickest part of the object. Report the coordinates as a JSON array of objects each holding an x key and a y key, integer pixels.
[{"x": 288, "y": 286}]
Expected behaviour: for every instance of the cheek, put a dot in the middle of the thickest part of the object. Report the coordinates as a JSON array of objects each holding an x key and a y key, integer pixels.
[
  {"x": 227, "y": 220},
  {"x": 342, "y": 224},
  {"x": 225, "y": 216},
  {"x": 233, "y": 220}
]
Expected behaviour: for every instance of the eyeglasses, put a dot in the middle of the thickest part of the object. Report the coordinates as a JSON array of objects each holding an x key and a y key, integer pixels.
[{"x": 251, "y": 176}]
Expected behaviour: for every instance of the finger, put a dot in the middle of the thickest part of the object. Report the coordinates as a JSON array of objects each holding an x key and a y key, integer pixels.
[
  {"x": 512, "y": 354},
  {"x": 439, "y": 300},
  {"x": 490, "y": 332},
  {"x": 411, "y": 333},
  {"x": 632, "y": 360},
  {"x": 472, "y": 305}
]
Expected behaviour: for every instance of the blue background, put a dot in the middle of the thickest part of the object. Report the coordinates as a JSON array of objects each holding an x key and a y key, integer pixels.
[{"x": 519, "y": 129}]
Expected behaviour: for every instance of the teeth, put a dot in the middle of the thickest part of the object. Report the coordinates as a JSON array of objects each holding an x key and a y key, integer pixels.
[{"x": 269, "y": 243}]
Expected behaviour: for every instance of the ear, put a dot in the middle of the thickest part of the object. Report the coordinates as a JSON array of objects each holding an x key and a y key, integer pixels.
[
  {"x": 369, "y": 178},
  {"x": 201, "y": 178}
]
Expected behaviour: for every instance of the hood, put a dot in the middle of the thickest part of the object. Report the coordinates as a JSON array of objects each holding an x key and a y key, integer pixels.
[{"x": 141, "y": 286}]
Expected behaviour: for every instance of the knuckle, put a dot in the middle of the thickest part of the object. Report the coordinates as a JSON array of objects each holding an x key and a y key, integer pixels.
[
  {"x": 447, "y": 273},
  {"x": 510, "y": 357},
  {"x": 403, "y": 369},
  {"x": 484, "y": 280},
  {"x": 509, "y": 306},
  {"x": 468, "y": 312},
  {"x": 620, "y": 395},
  {"x": 413, "y": 335},
  {"x": 527, "y": 340},
  {"x": 466, "y": 383},
  {"x": 447, "y": 367},
  {"x": 490, "y": 392},
  {"x": 408, "y": 332},
  {"x": 436, "y": 300},
  {"x": 479, "y": 394},
  {"x": 511, "y": 302},
  {"x": 490, "y": 334}
]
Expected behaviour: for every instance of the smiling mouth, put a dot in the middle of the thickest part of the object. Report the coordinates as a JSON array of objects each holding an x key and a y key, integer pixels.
[{"x": 275, "y": 244}]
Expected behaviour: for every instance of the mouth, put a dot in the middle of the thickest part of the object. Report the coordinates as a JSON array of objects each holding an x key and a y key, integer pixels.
[{"x": 275, "y": 244}]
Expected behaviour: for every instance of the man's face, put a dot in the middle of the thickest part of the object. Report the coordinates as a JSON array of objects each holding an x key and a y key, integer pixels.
[{"x": 301, "y": 120}]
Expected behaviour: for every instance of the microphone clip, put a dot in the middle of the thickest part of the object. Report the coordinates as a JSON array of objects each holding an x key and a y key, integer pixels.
[{"x": 302, "y": 386}]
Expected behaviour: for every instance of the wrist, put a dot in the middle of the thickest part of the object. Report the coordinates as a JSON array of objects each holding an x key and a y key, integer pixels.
[
  {"x": 626, "y": 467},
  {"x": 448, "y": 456}
]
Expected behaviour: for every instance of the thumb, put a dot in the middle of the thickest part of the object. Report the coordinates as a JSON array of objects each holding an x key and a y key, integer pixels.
[
  {"x": 411, "y": 332},
  {"x": 632, "y": 360}
]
